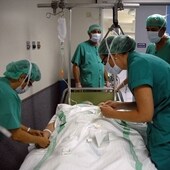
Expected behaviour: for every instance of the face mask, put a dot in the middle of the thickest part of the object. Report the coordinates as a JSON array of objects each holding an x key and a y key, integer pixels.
[
  {"x": 95, "y": 37},
  {"x": 113, "y": 70},
  {"x": 153, "y": 36},
  {"x": 21, "y": 90}
]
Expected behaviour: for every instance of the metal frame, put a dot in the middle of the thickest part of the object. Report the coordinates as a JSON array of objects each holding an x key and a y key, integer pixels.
[{"x": 89, "y": 94}]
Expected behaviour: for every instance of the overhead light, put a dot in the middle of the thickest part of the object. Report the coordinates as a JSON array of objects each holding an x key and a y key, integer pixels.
[{"x": 131, "y": 5}]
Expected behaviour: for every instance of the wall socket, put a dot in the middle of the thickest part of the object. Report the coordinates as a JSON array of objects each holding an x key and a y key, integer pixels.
[{"x": 33, "y": 45}]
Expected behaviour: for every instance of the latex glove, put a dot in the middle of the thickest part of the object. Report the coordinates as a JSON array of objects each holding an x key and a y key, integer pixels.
[{"x": 78, "y": 85}]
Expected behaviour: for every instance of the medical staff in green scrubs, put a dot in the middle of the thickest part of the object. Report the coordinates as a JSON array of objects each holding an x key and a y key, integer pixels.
[
  {"x": 88, "y": 70},
  {"x": 148, "y": 80},
  {"x": 18, "y": 77},
  {"x": 160, "y": 41}
]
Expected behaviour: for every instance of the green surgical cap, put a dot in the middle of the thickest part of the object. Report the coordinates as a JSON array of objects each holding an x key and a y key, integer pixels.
[
  {"x": 156, "y": 20},
  {"x": 103, "y": 48},
  {"x": 123, "y": 44},
  {"x": 94, "y": 27},
  {"x": 15, "y": 69}
]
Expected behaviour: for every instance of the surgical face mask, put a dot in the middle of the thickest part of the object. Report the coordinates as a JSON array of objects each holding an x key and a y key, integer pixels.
[
  {"x": 21, "y": 90},
  {"x": 95, "y": 37},
  {"x": 113, "y": 70},
  {"x": 153, "y": 36}
]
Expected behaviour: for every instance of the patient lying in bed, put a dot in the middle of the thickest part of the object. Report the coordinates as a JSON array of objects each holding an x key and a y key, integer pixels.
[{"x": 82, "y": 139}]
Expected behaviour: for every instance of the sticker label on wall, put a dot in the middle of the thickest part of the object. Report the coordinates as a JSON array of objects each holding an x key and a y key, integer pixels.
[{"x": 141, "y": 45}]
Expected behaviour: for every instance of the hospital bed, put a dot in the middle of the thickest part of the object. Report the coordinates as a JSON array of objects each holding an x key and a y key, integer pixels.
[{"x": 84, "y": 139}]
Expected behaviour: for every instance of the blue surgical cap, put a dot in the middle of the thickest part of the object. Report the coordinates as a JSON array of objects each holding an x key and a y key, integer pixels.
[
  {"x": 15, "y": 69},
  {"x": 156, "y": 20},
  {"x": 122, "y": 44},
  {"x": 94, "y": 27}
]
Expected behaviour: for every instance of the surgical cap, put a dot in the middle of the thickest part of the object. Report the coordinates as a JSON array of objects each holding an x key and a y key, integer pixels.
[
  {"x": 94, "y": 27},
  {"x": 15, "y": 69},
  {"x": 156, "y": 20},
  {"x": 123, "y": 44},
  {"x": 103, "y": 48}
]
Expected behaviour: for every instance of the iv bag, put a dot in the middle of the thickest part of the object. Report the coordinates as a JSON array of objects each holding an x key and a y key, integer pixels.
[{"x": 62, "y": 31}]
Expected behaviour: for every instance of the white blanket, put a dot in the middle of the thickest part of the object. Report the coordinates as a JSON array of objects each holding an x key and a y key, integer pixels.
[{"x": 90, "y": 142}]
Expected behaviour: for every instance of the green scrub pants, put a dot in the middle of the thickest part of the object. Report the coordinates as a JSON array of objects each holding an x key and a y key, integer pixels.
[{"x": 160, "y": 155}]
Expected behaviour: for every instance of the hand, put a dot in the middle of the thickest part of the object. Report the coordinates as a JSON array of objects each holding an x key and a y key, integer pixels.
[
  {"x": 114, "y": 104},
  {"x": 108, "y": 84},
  {"x": 78, "y": 85},
  {"x": 46, "y": 134},
  {"x": 107, "y": 111},
  {"x": 43, "y": 143},
  {"x": 36, "y": 132}
]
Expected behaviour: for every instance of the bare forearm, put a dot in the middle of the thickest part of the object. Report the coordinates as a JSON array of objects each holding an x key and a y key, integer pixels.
[
  {"x": 128, "y": 105},
  {"x": 76, "y": 73},
  {"x": 50, "y": 127},
  {"x": 48, "y": 130},
  {"x": 132, "y": 116},
  {"x": 120, "y": 105},
  {"x": 25, "y": 128},
  {"x": 25, "y": 137},
  {"x": 106, "y": 76}
]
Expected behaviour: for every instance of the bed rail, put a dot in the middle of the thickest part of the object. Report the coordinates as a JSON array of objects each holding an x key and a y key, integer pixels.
[{"x": 94, "y": 95}]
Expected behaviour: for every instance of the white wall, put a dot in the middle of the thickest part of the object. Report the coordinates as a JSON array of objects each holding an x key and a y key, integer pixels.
[{"x": 22, "y": 21}]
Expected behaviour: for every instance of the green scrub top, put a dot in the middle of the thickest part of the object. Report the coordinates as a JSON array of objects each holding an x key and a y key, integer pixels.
[
  {"x": 10, "y": 106},
  {"x": 91, "y": 67},
  {"x": 163, "y": 53},
  {"x": 146, "y": 69}
]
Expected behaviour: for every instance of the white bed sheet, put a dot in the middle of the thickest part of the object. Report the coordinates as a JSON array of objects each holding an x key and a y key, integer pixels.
[{"x": 89, "y": 141}]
